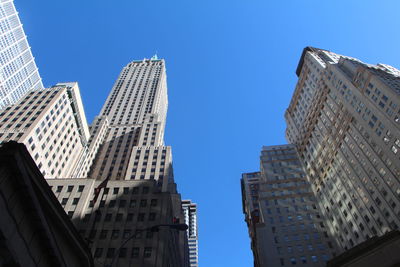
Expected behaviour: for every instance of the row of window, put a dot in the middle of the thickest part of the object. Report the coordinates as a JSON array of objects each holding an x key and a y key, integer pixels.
[
  {"x": 123, "y": 252},
  {"x": 117, "y": 233},
  {"x": 303, "y": 260},
  {"x": 119, "y": 217}
]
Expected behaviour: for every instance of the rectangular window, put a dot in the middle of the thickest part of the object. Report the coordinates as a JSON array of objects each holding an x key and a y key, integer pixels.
[
  {"x": 103, "y": 234},
  {"x": 108, "y": 217},
  {"x": 147, "y": 252},
  {"x": 141, "y": 217},
  {"x": 135, "y": 252},
  {"x": 110, "y": 252},
  {"x": 98, "y": 252},
  {"x": 127, "y": 233},
  {"x": 115, "y": 234}
]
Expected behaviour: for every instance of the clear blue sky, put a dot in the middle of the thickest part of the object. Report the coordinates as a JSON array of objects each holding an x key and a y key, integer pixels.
[{"x": 231, "y": 73}]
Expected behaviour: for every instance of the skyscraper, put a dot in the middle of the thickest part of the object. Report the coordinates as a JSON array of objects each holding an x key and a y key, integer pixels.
[
  {"x": 284, "y": 221},
  {"x": 190, "y": 213},
  {"x": 130, "y": 170},
  {"x": 344, "y": 118},
  {"x": 52, "y": 125},
  {"x": 18, "y": 71},
  {"x": 136, "y": 111}
]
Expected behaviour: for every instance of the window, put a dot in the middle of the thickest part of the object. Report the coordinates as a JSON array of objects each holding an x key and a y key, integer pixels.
[
  {"x": 149, "y": 234},
  {"x": 138, "y": 234},
  {"x": 127, "y": 233},
  {"x": 98, "y": 252},
  {"x": 115, "y": 191},
  {"x": 122, "y": 253},
  {"x": 152, "y": 216},
  {"x": 59, "y": 188},
  {"x": 110, "y": 252},
  {"x": 64, "y": 201},
  {"x": 314, "y": 258},
  {"x": 108, "y": 217},
  {"x": 135, "y": 252},
  {"x": 143, "y": 203},
  {"x": 145, "y": 190},
  {"x": 115, "y": 234},
  {"x": 129, "y": 218},
  {"x": 140, "y": 217},
  {"x": 147, "y": 252},
  {"x": 80, "y": 188},
  {"x": 153, "y": 202},
  {"x": 103, "y": 234},
  {"x": 75, "y": 201},
  {"x": 118, "y": 217}
]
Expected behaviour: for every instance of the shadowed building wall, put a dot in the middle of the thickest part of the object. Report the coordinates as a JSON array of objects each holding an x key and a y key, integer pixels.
[{"x": 344, "y": 118}]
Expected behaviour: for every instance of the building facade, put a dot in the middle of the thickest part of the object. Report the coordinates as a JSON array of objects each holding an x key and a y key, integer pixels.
[
  {"x": 18, "y": 71},
  {"x": 284, "y": 221},
  {"x": 130, "y": 170},
  {"x": 344, "y": 118},
  {"x": 52, "y": 125},
  {"x": 250, "y": 185},
  {"x": 190, "y": 213},
  {"x": 34, "y": 229}
]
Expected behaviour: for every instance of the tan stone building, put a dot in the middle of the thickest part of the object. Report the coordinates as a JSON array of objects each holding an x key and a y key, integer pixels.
[
  {"x": 344, "y": 118},
  {"x": 52, "y": 125},
  {"x": 130, "y": 168},
  {"x": 285, "y": 224}
]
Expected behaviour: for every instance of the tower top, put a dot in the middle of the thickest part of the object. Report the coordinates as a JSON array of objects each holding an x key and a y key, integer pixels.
[{"x": 155, "y": 57}]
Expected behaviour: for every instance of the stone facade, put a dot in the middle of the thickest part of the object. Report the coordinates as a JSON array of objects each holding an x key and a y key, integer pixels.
[{"x": 344, "y": 118}]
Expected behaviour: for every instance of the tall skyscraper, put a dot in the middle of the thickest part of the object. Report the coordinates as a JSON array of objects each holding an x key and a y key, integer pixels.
[
  {"x": 52, "y": 125},
  {"x": 136, "y": 111},
  {"x": 130, "y": 169},
  {"x": 344, "y": 118},
  {"x": 285, "y": 224},
  {"x": 18, "y": 71},
  {"x": 190, "y": 213}
]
